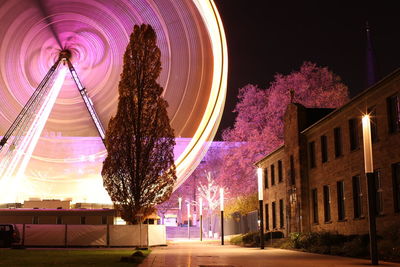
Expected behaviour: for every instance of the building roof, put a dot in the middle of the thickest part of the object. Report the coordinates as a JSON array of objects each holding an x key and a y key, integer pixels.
[
  {"x": 376, "y": 86},
  {"x": 56, "y": 212},
  {"x": 269, "y": 155}
]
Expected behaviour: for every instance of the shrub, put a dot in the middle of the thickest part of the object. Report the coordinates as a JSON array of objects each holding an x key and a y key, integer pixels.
[
  {"x": 236, "y": 240},
  {"x": 252, "y": 239}
]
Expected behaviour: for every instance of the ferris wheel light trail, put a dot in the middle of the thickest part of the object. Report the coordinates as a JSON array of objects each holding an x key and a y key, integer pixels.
[
  {"x": 93, "y": 35},
  {"x": 29, "y": 141}
]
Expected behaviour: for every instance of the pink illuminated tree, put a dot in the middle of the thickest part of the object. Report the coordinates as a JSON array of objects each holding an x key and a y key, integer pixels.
[{"x": 259, "y": 121}]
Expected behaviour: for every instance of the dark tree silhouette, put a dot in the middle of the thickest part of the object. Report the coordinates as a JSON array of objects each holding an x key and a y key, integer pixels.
[{"x": 139, "y": 171}]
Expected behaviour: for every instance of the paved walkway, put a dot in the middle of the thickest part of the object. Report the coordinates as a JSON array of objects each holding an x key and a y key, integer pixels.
[{"x": 211, "y": 254}]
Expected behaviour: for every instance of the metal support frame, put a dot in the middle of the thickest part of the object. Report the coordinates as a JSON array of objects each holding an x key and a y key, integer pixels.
[
  {"x": 40, "y": 91},
  {"x": 88, "y": 102},
  {"x": 37, "y": 94}
]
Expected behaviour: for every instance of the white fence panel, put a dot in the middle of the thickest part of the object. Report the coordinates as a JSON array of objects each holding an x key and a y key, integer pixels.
[
  {"x": 157, "y": 235},
  {"x": 44, "y": 235},
  {"x": 87, "y": 235},
  {"x": 128, "y": 235}
]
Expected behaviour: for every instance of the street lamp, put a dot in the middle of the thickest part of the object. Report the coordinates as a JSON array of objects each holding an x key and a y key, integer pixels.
[
  {"x": 180, "y": 210},
  {"x": 201, "y": 219},
  {"x": 260, "y": 200},
  {"x": 369, "y": 172},
  {"x": 188, "y": 212},
  {"x": 221, "y": 205}
]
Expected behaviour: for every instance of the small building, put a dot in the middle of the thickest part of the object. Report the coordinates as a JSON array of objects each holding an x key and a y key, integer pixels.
[
  {"x": 57, "y": 216},
  {"x": 47, "y": 204},
  {"x": 316, "y": 180}
]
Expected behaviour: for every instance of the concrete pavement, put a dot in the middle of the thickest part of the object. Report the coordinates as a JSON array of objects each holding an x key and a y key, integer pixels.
[{"x": 212, "y": 254}]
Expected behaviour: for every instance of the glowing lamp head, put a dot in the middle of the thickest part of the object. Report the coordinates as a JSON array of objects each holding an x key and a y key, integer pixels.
[
  {"x": 201, "y": 206},
  {"x": 368, "y": 160},
  {"x": 221, "y": 198},
  {"x": 260, "y": 183}
]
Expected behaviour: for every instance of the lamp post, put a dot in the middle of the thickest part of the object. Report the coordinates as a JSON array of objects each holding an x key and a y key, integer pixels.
[
  {"x": 260, "y": 200},
  {"x": 180, "y": 210},
  {"x": 188, "y": 213},
  {"x": 221, "y": 204},
  {"x": 369, "y": 172},
  {"x": 201, "y": 219}
]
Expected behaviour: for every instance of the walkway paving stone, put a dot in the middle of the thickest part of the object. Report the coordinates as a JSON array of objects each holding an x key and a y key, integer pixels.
[{"x": 212, "y": 254}]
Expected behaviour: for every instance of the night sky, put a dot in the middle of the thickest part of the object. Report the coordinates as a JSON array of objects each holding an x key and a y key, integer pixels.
[{"x": 269, "y": 37}]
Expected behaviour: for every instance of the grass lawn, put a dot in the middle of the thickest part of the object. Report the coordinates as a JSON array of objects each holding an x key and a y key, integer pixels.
[{"x": 65, "y": 257}]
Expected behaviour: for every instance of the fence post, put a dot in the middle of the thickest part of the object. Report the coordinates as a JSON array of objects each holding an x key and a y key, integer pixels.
[
  {"x": 108, "y": 234},
  {"x": 23, "y": 235},
  {"x": 65, "y": 235}
]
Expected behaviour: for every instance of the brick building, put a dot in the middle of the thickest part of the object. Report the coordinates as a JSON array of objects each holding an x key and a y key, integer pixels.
[{"x": 316, "y": 180}]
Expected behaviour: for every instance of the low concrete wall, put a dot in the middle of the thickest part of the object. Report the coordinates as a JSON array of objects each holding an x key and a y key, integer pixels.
[{"x": 53, "y": 235}]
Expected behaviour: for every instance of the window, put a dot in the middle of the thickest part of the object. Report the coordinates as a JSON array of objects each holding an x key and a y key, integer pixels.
[
  {"x": 274, "y": 215},
  {"x": 35, "y": 220},
  {"x": 280, "y": 171},
  {"x": 337, "y": 135},
  {"x": 340, "y": 200},
  {"x": 311, "y": 153},
  {"x": 103, "y": 219},
  {"x": 83, "y": 220},
  {"x": 266, "y": 178},
  {"x": 272, "y": 175},
  {"x": 357, "y": 197},
  {"x": 353, "y": 134},
  {"x": 292, "y": 173},
  {"x": 59, "y": 220},
  {"x": 266, "y": 217},
  {"x": 374, "y": 124},
  {"x": 327, "y": 204},
  {"x": 324, "y": 148},
  {"x": 314, "y": 195},
  {"x": 378, "y": 192},
  {"x": 281, "y": 214},
  {"x": 393, "y": 105},
  {"x": 396, "y": 186}
]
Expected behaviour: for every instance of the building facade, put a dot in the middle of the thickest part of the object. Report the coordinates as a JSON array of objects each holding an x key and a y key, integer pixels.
[{"x": 316, "y": 180}]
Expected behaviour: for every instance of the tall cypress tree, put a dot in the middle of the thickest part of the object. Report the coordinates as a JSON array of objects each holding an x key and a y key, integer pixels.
[{"x": 139, "y": 171}]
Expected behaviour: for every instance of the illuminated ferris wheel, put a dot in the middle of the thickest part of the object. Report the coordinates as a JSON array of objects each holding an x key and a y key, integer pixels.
[{"x": 90, "y": 37}]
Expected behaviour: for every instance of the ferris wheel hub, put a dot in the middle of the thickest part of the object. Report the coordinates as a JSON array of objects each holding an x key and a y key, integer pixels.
[{"x": 65, "y": 53}]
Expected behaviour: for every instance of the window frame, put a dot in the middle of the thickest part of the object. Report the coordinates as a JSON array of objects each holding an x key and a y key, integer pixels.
[
  {"x": 337, "y": 139},
  {"x": 314, "y": 201},
  {"x": 327, "y": 204},
  {"x": 396, "y": 186},
  {"x": 311, "y": 154},
  {"x": 273, "y": 211},
  {"x": 341, "y": 204},
  {"x": 265, "y": 172},
  {"x": 266, "y": 216},
  {"x": 324, "y": 148},
  {"x": 354, "y": 135},
  {"x": 280, "y": 171},
  {"x": 272, "y": 167},
  {"x": 393, "y": 112},
  {"x": 281, "y": 213},
  {"x": 357, "y": 197}
]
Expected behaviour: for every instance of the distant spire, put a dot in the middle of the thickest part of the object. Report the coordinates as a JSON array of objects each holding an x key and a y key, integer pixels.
[{"x": 370, "y": 59}]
